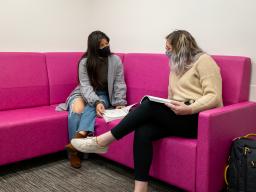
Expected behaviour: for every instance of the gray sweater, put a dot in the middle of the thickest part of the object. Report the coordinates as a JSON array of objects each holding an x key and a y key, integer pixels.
[{"x": 116, "y": 84}]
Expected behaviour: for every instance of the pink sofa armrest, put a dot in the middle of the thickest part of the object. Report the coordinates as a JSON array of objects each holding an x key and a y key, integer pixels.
[{"x": 216, "y": 130}]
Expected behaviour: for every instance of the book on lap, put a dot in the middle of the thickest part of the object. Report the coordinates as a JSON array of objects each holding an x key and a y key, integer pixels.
[
  {"x": 155, "y": 99},
  {"x": 113, "y": 114}
]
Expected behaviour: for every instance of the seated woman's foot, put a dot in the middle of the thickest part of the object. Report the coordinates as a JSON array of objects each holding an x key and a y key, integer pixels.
[
  {"x": 74, "y": 155},
  {"x": 74, "y": 158},
  {"x": 88, "y": 145}
]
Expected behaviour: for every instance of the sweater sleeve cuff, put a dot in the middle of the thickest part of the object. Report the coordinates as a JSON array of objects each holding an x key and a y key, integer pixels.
[
  {"x": 196, "y": 107},
  {"x": 99, "y": 101}
]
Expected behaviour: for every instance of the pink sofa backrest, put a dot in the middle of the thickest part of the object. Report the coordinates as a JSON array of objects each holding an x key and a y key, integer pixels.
[
  {"x": 236, "y": 73},
  {"x": 62, "y": 73},
  {"x": 149, "y": 74},
  {"x": 36, "y": 79},
  {"x": 23, "y": 80},
  {"x": 145, "y": 74}
]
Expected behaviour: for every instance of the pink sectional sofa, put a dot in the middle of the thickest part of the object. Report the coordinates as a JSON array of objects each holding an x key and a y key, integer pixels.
[{"x": 32, "y": 84}]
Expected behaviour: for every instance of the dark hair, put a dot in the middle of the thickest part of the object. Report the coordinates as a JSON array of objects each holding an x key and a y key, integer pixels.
[{"x": 92, "y": 55}]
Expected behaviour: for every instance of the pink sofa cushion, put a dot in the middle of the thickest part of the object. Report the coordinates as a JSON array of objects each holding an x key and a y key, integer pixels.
[
  {"x": 31, "y": 132},
  {"x": 235, "y": 72},
  {"x": 174, "y": 159},
  {"x": 62, "y": 73},
  {"x": 121, "y": 151},
  {"x": 23, "y": 80},
  {"x": 145, "y": 74}
]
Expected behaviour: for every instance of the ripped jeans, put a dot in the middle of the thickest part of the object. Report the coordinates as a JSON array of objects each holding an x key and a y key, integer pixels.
[{"x": 84, "y": 121}]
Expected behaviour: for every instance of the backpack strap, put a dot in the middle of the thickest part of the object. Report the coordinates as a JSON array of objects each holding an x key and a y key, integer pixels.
[
  {"x": 249, "y": 135},
  {"x": 245, "y": 136},
  {"x": 225, "y": 174}
]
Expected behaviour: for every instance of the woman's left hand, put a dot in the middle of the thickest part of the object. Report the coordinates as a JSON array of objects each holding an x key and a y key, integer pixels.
[
  {"x": 120, "y": 107},
  {"x": 179, "y": 108},
  {"x": 100, "y": 109}
]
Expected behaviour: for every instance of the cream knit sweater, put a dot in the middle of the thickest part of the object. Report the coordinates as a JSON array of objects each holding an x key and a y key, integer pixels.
[{"x": 201, "y": 83}]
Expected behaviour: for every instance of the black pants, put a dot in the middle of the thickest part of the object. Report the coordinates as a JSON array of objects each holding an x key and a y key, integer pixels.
[{"x": 152, "y": 121}]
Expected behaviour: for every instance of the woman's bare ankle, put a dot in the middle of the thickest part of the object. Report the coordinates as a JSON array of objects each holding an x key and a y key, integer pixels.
[
  {"x": 99, "y": 142},
  {"x": 105, "y": 139},
  {"x": 141, "y": 186}
]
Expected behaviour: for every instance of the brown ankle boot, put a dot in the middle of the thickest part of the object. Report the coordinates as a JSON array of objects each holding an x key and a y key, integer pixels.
[
  {"x": 79, "y": 135},
  {"x": 74, "y": 155},
  {"x": 74, "y": 158}
]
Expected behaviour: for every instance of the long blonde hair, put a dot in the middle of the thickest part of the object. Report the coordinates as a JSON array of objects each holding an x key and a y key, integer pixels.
[{"x": 184, "y": 51}]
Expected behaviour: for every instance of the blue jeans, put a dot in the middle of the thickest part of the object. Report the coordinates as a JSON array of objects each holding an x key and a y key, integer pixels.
[{"x": 84, "y": 121}]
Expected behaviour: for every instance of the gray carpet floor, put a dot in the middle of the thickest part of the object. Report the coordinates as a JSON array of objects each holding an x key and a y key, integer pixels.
[{"x": 52, "y": 173}]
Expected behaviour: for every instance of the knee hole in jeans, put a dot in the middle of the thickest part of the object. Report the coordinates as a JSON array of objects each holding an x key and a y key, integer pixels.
[{"x": 78, "y": 106}]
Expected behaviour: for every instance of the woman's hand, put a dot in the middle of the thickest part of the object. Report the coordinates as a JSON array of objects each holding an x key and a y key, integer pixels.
[
  {"x": 179, "y": 108},
  {"x": 120, "y": 107},
  {"x": 100, "y": 109}
]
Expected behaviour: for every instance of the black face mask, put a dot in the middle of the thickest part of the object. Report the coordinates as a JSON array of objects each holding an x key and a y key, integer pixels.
[{"x": 104, "y": 52}]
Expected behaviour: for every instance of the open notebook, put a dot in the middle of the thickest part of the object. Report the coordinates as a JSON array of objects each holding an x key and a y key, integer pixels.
[{"x": 113, "y": 114}]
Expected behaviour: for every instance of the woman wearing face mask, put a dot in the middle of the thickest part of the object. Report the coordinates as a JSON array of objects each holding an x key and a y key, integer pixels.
[
  {"x": 101, "y": 84},
  {"x": 194, "y": 85}
]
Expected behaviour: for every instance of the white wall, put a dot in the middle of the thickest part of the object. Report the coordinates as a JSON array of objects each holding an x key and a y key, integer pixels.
[
  {"x": 220, "y": 27},
  {"x": 43, "y": 25}
]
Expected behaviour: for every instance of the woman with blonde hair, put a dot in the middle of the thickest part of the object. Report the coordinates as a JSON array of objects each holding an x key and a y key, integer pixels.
[{"x": 194, "y": 85}]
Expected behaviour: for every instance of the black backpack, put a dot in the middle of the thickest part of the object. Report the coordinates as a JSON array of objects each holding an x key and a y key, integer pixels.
[{"x": 240, "y": 173}]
